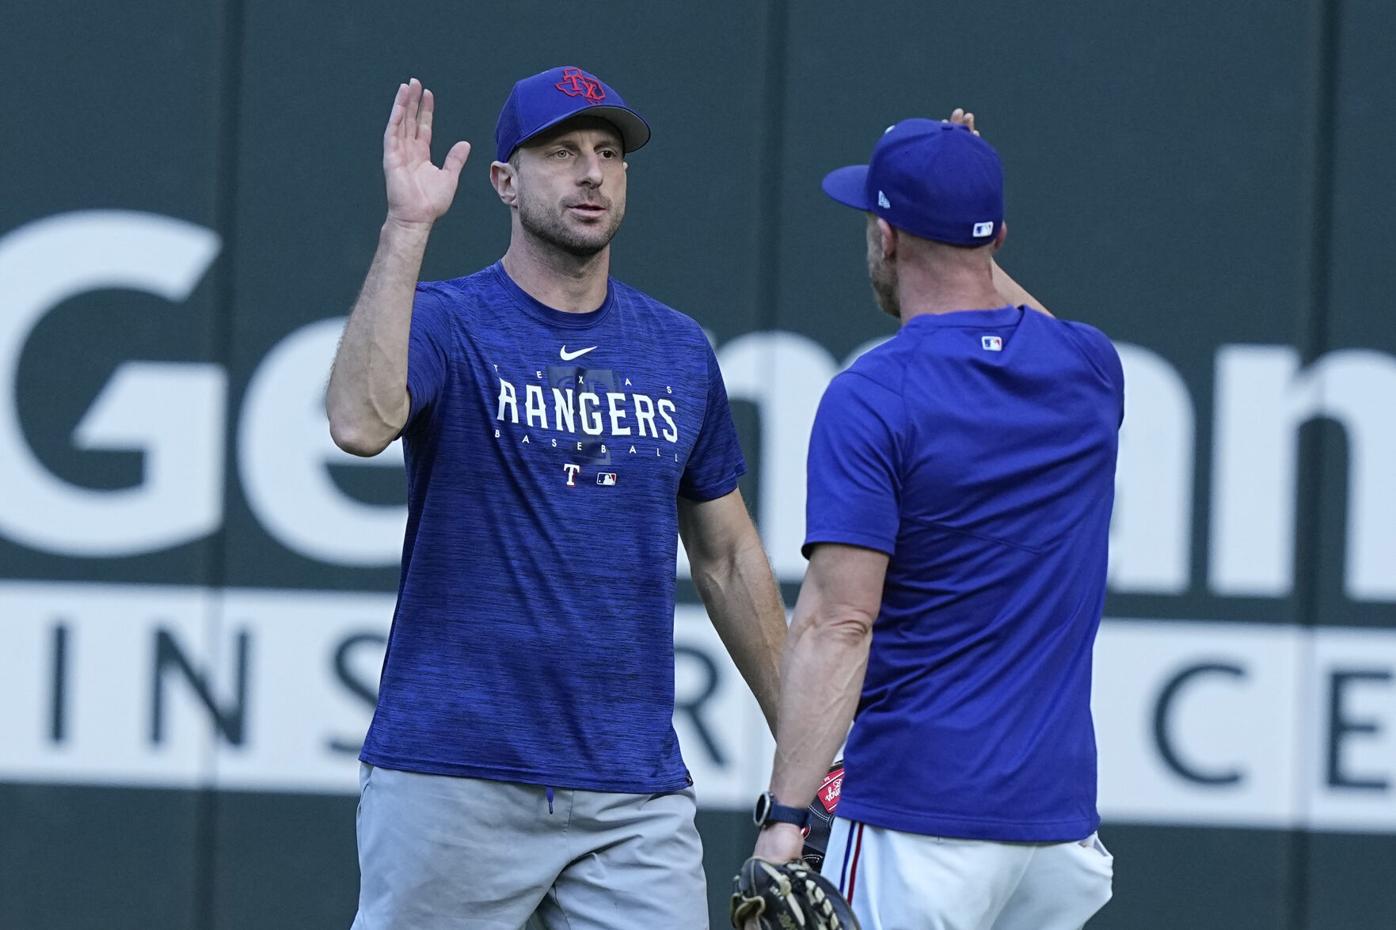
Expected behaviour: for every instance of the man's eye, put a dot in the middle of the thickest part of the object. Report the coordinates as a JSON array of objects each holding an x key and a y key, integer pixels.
[{"x": 561, "y": 153}]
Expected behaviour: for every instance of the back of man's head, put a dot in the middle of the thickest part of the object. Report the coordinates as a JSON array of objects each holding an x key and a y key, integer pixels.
[{"x": 933, "y": 179}]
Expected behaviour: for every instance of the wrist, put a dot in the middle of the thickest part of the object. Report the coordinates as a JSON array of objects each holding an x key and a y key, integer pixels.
[
  {"x": 397, "y": 227},
  {"x": 770, "y": 812}
]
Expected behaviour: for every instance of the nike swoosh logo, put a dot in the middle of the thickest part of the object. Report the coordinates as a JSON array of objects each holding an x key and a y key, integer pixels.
[{"x": 568, "y": 356}]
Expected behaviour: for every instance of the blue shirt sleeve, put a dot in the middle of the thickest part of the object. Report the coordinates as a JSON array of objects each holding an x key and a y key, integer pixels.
[
  {"x": 427, "y": 354},
  {"x": 1104, "y": 358},
  {"x": 716, "y": 464},
  {"x": 854, "y": 467}
]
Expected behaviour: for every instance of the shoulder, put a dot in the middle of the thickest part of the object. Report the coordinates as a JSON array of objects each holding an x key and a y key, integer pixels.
[
  {"x": 456, "y": 290},
  {"x": 883, "y": 367},
  {"x": 675, "y": 323},
  {"x": 1097, "y": 348},
  {"x": 871, "y": 385},
  {"x": 1088, "y": 334},
  {"x": 442, "y": 305}
]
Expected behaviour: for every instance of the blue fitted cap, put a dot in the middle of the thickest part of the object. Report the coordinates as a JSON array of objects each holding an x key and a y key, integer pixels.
[
  {"x": 934, "y": 179},
  {"x": 540, "y": 102}
]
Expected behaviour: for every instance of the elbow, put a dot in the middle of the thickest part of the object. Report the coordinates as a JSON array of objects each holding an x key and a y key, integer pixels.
[
  {"x": 355, "y": 440},
  {"x": 708, "y": 576},
  {"x": 848, "y": 627},
  {"x": 853, "y": 629}
]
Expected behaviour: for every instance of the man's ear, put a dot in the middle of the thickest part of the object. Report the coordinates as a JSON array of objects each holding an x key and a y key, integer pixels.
[
  {"x": 506, "y": 182},
  {"x": 1001, "y": 235},
  {"x": 887, "y": 234}
]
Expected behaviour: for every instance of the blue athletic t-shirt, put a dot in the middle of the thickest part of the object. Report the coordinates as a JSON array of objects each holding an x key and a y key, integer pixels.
[
  {"x": 977, "y": 449},
  {"x": 533, "y": 636}
]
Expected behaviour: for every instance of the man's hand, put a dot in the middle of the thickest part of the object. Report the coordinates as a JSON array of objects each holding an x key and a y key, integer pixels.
[
  {"x": 959, "y": 117},
  {"x": 418, "y": 191},
  {"x": 779, "y": 842}
]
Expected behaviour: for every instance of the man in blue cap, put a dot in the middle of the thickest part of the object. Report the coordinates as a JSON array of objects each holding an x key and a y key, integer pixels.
[
  {"x": 560, "y": 430},
  {"x": 961, "y": 478}
]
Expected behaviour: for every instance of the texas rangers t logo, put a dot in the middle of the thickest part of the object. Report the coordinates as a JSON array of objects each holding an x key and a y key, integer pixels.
[
  {"x": 571, "y": 473},
  {"x": 576, "y": 83}
]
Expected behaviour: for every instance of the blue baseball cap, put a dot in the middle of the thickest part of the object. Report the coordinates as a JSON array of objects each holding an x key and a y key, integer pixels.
[
  {"x": 934, "y": 179},
  {"x": 540, "y": 102}
]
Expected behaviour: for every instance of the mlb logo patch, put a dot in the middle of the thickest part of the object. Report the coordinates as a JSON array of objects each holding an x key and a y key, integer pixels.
[
  {"x": 606, "y": 479},
  {"x": 983, "y": 229},
  {"x": 991, "y": 343}
]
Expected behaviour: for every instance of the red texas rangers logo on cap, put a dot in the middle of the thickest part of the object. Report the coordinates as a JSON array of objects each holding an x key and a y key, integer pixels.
[{"x": 577, "y": 83}]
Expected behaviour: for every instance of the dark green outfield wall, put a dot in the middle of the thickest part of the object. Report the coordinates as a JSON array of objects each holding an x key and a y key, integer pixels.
[{"x": 193, "y": 587}]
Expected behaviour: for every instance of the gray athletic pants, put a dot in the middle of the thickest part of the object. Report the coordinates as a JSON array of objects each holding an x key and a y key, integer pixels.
[{"x": 445, "y": 853}]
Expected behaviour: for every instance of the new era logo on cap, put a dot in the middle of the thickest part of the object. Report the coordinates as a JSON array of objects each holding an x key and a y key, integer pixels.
[
  {"x": 983, "y": 229},
  {"x": 883, "y": 202}
]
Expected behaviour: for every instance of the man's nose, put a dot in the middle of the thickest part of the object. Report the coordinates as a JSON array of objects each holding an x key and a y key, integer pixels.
[{"x": 591, "y": 174}]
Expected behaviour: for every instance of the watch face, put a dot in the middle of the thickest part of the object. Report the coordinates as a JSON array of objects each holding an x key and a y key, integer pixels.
[{"x": 763, "y": 807}]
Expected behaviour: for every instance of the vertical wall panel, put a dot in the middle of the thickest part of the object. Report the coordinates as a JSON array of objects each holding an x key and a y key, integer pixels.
[
  {"x": 105, "y": 113},
  {"x": 1346, "y": 884},
  {"x": 1360, "y": 281},
  {"x": 103, "y": 109}
]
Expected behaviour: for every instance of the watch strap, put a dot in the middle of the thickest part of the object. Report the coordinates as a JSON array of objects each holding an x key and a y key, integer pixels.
[
  {"x": 769, "y": 811},
  {"x": 781, "y": 813}
]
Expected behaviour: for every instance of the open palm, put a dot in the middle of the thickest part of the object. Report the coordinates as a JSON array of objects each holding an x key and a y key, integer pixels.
[{"x": 418, "y": 191}]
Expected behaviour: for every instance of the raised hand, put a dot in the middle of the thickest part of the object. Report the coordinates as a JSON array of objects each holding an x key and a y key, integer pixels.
[
  {"x": 418, "y": 191},
  {"x": 961, "y": 118}
]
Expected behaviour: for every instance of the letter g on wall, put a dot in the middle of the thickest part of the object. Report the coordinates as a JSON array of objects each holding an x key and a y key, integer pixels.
[{"x": 172, "y": 412}]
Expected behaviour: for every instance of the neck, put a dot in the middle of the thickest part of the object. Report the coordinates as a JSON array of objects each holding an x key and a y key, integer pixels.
[
  {"x": 556, "y": 278},
  {"x": 945, "y": 287}
]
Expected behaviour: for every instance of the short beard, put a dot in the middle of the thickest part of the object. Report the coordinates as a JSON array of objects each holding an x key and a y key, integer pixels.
[
  {"x": 549, "y": 227},
  {"x": 883, "y": 278}
]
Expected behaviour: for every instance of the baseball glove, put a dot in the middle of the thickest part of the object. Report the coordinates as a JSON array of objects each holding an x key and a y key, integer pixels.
[
  {"x": 787, "y": 896},
  {"x": 821, "y": 817}
]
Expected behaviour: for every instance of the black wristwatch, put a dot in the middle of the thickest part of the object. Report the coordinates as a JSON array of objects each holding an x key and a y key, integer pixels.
[{"x": 768, "y": 812}]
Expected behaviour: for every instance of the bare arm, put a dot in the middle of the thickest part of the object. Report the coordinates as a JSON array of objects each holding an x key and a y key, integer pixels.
[
  {"x": 825, "y": 660},
  {"x": 1014, "y": 293},
  {"x": 1010, "y": 290},
  {"x": 367, "y": 399},
  {"x": 734, "y": 579}
]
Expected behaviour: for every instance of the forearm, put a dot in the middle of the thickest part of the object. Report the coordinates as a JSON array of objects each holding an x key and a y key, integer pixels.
[
  {"x": 744, "y": 603},
  {"x": 1014, "y": 293},
  {"x": 822, "y": 678},
  {"x": 367, "y": 398}
]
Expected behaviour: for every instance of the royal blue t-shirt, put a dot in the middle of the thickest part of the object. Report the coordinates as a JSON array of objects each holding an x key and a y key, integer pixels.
[
  {"x": 545, "y": 451},
  {"x": 977, "y": 449}
]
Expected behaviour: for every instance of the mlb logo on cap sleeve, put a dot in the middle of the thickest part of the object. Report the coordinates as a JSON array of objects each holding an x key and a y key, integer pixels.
[
  {"x": 983, "y": 229},
  {"x": 991, "y": 343}
]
